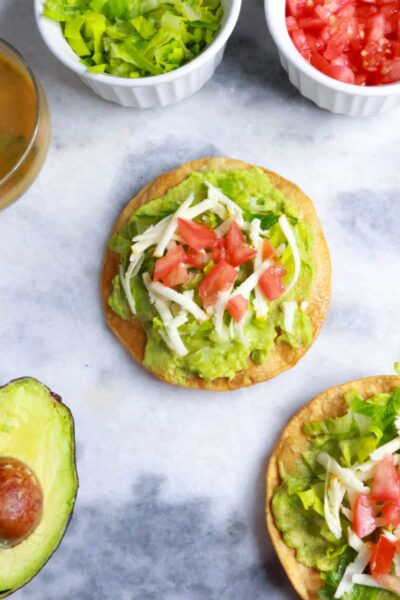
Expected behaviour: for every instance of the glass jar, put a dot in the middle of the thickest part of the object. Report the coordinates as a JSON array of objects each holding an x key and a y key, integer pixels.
[{"x": 23, "y": 172}]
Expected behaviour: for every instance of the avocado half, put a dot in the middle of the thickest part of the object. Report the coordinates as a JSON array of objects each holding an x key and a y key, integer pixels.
[{"x": 37, "y": 429}]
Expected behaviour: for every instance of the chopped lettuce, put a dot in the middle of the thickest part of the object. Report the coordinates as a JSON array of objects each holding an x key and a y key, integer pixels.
[{"x": 136, "y": 38}]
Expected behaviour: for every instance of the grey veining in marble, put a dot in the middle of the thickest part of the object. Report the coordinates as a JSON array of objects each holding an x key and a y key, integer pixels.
[{"x": 172, "y": 481}]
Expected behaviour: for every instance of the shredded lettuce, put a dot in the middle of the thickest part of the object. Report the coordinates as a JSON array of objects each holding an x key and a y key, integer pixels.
[{"x": 136, "y": 38}]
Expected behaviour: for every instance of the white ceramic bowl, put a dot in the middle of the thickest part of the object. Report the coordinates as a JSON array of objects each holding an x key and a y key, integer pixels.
[
  {"x": 144, "y": 92},
  {"x": 338, "y": 97}
]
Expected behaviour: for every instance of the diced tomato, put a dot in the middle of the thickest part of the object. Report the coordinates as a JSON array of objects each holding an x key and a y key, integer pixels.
[
  {"x": 344, "y": 74},
  {"x": 241, "y": 254},
  {"x": 178, "y": 276},
  {"x": 300, "y": 41},
  {"x": 219, "y": 250},
  {"x": 382, "y": 556},
  {"x": 234, "y": 237},
  {"x": 391, "y": 515},
  {"x": 391, "y": 71},
  {"x": 340, "y": 61},
  {"x": 364, "y": 521},
  {"x": 169, "y": 262},
  {"x": 376, "y": 27},
  {"x": 386, "y": 482},
  {"x": 360, "y": 79},
  {"x": 296, "y": 7},
  {"x": 196, "y": 235},
  {"x": 291, "y": 23},
  {"x": 219, "y": 279},
  {"x": 353, "y": 41},
  {"x": 396, "y": 48},
  {"x": 268, "y": 250},
  {"x": 310, "y": 23},
  {"x": 237, "y": 307},
  {"x": 238, "y": 252},
  {"x": 391, "y": 13},
  {"x": 271, "y": 282},
  {"x": 195, "y": 258},
  {"x": 364, "y": 12},
  {"x": 315, "y": 44}
]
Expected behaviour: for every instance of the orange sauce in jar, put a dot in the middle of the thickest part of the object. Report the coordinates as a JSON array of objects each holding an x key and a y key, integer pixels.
[
  {"x": 25, "y": 127},
  {"x": 17, "y": 113}
]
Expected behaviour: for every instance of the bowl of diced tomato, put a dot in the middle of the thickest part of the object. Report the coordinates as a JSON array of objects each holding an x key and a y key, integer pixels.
[{"x": 342, "y": 54}]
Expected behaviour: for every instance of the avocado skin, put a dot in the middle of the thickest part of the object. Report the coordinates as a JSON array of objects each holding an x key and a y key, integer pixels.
[{"x": 58, "y": 399}]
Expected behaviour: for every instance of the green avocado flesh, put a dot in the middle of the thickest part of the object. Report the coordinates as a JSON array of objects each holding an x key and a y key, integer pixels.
[
  {"x": 38, "y": 430},
  {"x": 298, "y": 502},
  {"x": 210, "y": 356}
]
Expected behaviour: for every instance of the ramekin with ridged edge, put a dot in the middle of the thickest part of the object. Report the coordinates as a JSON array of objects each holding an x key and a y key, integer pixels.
[
  {"x": 144, "y": 92},
  {"x": 328, "y": 93}
]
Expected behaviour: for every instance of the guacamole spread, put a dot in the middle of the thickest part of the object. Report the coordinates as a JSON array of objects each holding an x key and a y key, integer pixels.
[
  {"x": 218, "y": 271},
  {"x": 339, "y": 507}
]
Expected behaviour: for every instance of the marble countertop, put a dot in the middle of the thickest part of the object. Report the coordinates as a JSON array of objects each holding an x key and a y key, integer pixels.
[{"x": 171, "y": 494}]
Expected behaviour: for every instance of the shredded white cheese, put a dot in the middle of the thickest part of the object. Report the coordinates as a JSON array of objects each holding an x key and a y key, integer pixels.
[
  {"x": 171, "y": 336},
  {"x": 289, "y": 311},
  {"x": 333, "y": 498},
  {"x": 223, "y": 229},
  {"x": 153, "y": 231},
  {"x": 170, "y": 227},
  {"x": 291, "y": 238},
  {"x": 389, "y": 448},
  {"x": 218, "y": 318},
  {"x": 260, "y": 303},
  {"x": 179, "y": 320},
  {"x": 142, "y": 246},
  {"x": 369, "y": 581},
  {"x": 281, "y": 249},
  {"x": 346, "y": 476},
  {"x": 125, "y": 282},
  {"x": 240, "y": 334},
  {"x": 233, "y": 209},
  {"x": 176, "y": 341},
  {"x": 304, "y": 306},
  {"x": 365, "y": 471},
  {"x": 199, "y": 209},
  {"x": 250, "y": 283},
  {"x": 347, "y": 513},
  {"x": 180, "y": 299},
  {"x": 255, "y": 230},
  {"x": 161, "y": 306},
  {"x": 357, "y": 566},
  {"x": 134, "y": 265},
  {"x": 354, "y": 541}
]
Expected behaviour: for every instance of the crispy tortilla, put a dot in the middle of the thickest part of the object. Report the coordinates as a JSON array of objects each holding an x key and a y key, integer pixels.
[
  {"x": 131, "y": 333},
  {"x": 329, "y": 404}
]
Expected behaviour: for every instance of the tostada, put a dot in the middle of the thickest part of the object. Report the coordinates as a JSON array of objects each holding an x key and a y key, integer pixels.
[
  {"x": 217, "y": 275},
  {"x": 333, "y": 493}
]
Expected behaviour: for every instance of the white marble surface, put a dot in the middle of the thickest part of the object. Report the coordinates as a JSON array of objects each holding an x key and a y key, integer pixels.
[{"x": 171, "y": 494}]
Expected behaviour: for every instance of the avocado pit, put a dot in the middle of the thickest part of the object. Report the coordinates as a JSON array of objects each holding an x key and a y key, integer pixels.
[{"x": 21, "y": 502}]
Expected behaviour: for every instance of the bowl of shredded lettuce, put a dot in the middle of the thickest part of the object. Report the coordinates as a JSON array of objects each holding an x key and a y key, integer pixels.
[{"x": 139, "y": 53}]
